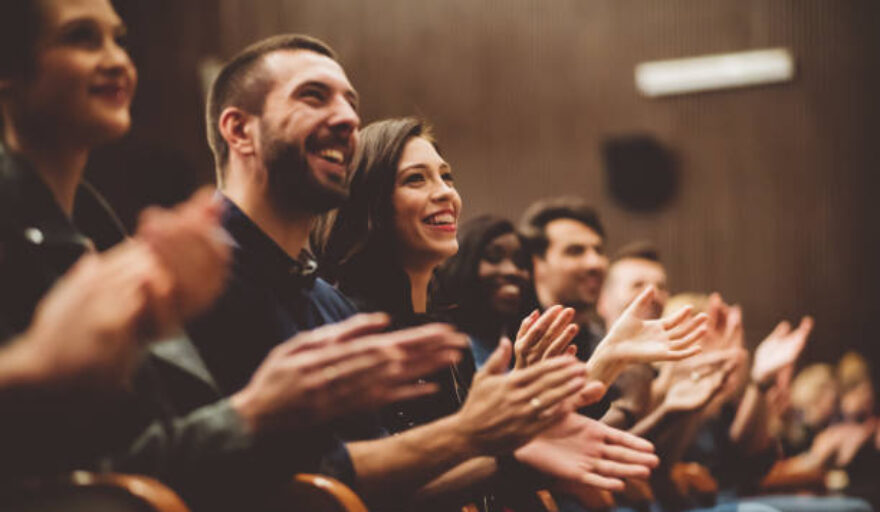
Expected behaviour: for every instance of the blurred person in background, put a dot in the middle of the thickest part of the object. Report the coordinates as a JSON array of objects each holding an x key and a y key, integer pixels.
[{"x": 486, "y": 287}]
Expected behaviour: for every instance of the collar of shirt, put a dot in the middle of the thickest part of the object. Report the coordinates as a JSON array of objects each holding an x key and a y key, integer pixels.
[{"x": 259, "y": 254}]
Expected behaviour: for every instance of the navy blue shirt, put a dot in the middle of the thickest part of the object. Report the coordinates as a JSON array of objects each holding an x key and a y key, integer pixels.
[{"x": 270, "y": 298}]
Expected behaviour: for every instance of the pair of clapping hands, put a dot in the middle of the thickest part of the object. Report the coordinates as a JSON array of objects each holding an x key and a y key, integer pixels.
[
  {"x": 89, "y": 328},
  {"x": 719, "y": 372},
  {"x": 577, "y": 449}
]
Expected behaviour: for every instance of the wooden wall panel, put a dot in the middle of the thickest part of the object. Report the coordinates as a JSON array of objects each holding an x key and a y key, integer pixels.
[{"x": 776, "y": 205}]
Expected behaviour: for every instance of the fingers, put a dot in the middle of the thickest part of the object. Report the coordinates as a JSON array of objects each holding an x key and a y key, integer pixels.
[
  {"x": 733, "y": 335},
  {"x": 332, "y": 333},
  {"x": 686, "y": 327},
  {"x": 561, "y": 322},
  {"x": 527, "y": 323},
  {"x": 602, "y": 482},
  {"x": 361, "y": 325},
  {"x": 611, "y": 468},
  {"x": 499, "y": 361},
  {"x": 557, "y": 377},
  {"x": 415, "y": 367},
  {"x": 629, "y": 456},
  {"x": 676, "y": 318},
  {"x": 781, "y": 329},
  {"x": 591, "y": 393},
  {"x": 562, "y": 344},
  {"x": 535, "y": 334},
  {"x": 628, "y": 440},
  {"x": 689, "y": 340},
  {"x": 524, "y": 377},
  {"x": 679, "y": 354},
  {"x": 563, "y": 390},
  {"x": 715, "y": 311},
  {"x": 427, "y": 336},
  {"x": 642, "y": 305},
  {"x": 806, "y": 326}
]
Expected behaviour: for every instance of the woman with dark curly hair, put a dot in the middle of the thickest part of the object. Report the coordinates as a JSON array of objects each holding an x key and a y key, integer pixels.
[{"x": 485, "y": 287}]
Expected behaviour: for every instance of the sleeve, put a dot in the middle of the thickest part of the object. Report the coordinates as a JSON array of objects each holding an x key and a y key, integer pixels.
[{"x": 215, "y": 463}]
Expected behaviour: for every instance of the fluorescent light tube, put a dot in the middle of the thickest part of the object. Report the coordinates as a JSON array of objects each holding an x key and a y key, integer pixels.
[{"x": 714, "y": 72}]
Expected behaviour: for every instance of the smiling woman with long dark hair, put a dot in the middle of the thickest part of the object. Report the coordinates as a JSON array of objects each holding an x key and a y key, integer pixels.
[{"x": 386, "y": 241}]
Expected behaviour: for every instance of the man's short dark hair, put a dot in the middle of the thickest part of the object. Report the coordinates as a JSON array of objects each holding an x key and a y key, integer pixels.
[
  {"x": 536, "y": 217},
  {"x": 637, "y": 250},
  {"x": 243, "y": 83}
]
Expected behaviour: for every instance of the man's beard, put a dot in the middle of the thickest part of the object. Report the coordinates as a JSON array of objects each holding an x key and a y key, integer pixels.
[{"x": 293, "y": 187}]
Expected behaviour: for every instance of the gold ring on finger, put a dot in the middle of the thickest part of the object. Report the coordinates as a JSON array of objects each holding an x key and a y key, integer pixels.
[{"x": 535, "y": 403}]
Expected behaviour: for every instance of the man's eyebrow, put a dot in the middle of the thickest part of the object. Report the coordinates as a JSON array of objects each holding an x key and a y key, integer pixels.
[{"x": 312, "y": 83}]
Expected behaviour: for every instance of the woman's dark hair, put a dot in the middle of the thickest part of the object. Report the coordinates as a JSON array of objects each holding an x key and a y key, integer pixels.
[
  {"x": 356, "y": 244},
  {"x": 20, "y": 25},
  {"x": 458, "y": 287}
]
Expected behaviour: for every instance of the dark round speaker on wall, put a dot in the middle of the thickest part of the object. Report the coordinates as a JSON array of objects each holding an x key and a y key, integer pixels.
[{"x": 640, "y": 172}]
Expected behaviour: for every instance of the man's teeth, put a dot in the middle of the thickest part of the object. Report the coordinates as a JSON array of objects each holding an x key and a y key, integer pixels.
[
  {"x": 441, "y": 218},
  {"x": 333, "y": 155}
]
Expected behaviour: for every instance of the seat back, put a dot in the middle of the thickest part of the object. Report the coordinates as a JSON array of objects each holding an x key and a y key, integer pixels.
[
  {"x": 82, "y": 491},
  {"x": 321, "y": 493}
]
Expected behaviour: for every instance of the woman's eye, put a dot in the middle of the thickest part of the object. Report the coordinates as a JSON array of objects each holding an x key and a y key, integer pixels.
[
  {"x": 413, "y": 179},
  {"x": 83, "y": 36},
  {"x": 447, "y": 176}
]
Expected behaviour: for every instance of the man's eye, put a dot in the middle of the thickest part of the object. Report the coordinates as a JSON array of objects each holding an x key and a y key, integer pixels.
[{"x": 313, "y": 93}]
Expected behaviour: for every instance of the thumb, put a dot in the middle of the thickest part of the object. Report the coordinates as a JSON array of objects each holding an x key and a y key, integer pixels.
[
  {"x": 590, "y": 394},
  {"x": 643, "y": 302},
  {"x": 499, "y": 361},
  {"x": 806, "y": 325}
]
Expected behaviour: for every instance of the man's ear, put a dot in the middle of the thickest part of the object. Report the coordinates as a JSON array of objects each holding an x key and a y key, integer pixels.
[{"x": 237, "y": 129}]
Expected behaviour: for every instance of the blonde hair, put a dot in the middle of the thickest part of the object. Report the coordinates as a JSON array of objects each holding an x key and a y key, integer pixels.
[
  {"x": 852, "y": 370},
  {"x": 809, "y": 383},
  {"x": 700, "y": 302}
]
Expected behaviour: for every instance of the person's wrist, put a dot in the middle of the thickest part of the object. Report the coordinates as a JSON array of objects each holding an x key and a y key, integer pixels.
[
  {"x": 26, "y": 363},
  {"x": 603, "y": 366},
  {"x": 762, "y": 384},
  {"x": 461, "y": 436},
  {"x": 245, "y": 405}
]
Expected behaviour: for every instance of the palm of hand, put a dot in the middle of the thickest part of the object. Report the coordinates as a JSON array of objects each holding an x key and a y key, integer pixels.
[
  {"x": 637, "y": 340},
  {"x": 780, "y": 349},
  {"x": 579, "y": 449},
  {"x": 687, "y": 395}
]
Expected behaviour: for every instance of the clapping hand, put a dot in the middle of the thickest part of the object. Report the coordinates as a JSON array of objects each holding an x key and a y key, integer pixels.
[
  {"x": 780, "y": 349},
  {"x": 584, "y": 451},
  {"x": 634, "y": 340},
  {"x": 543, "y": 336}
]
